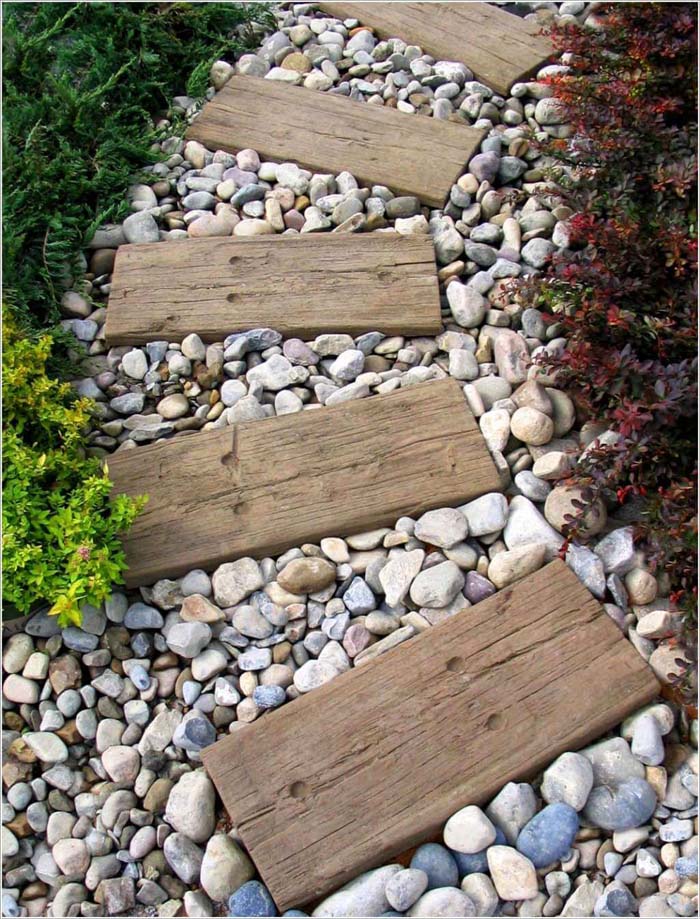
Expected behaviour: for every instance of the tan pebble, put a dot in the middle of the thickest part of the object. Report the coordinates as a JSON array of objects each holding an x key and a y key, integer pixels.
[
  {"x": 247, "y": 710},
  {"x": 641, "y": 586},
  {"x": 297, "y": 62},
  {"x": 248, "y": 681},
  {"x": 531, "y": 426},
  {"x": 252, "y": 227},
  {"x": 281, "y": 652},
  {"x": 656, "y": 776},
  {"x": 559, "y": 505}
]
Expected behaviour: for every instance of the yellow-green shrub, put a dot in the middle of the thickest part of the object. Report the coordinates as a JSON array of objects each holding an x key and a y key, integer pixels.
[{"x": 60, "y": 529}]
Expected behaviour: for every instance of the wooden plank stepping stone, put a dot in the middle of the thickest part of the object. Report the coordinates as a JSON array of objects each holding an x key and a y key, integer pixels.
[
  {"x": 258, "y": 488},
  {"x": 329, "y": 133},
  {"x": 344, "y": 778},
  {"x": 299, "y": 285},
  {"x": 498, "y": 47}
]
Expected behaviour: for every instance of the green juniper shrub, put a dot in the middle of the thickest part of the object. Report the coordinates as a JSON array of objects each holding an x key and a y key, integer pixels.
[{"x": 82, "y": 84}]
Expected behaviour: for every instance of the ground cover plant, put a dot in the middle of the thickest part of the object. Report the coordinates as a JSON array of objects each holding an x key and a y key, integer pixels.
[
  {"x": 84, "y": 85},
  {"x": 627, "y": 294},
  {"x": 60, "y": 530}
]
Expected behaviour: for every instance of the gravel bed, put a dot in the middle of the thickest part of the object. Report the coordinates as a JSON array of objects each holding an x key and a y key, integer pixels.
[{"x": 106, "y": 809}]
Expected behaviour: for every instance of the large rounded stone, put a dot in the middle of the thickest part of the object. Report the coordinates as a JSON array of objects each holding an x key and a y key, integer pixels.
[
  {"x": 438, "y": 863},
  {"x": 510, "y": 566},
  {"x": 306, "y": 575},
  {"x": 513, "y": 875},
  {"x": 469, "y": 831},
  {"x": 443, "y": 527},
  {"x": 560, "y": 504},
  {"x": 363, "y": 896},
  {"x": 225, "y": 867},
  {"x": 531, "y": 426},
  {"x": 72, "y": 857},
  {"x": 405, "y": 888},
  {"x": 121, "y": 763},
  {"x": 549, "y": 835},
  {"x": 184, "y": 857},
  {"x": 234, "y": 581},
  {"x": 621, "y": 807},
  {"x": 569, "y": 780},
  {"x": 437, "y": 586},
  {"x": 190, "y": 808},
  {"x": 174, "y": 406},
  {"x": 443, "y": 901}
]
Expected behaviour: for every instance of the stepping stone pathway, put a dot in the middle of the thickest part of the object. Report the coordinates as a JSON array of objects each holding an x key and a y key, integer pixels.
[
  {"x": 297, "y": 478},
  {"x": 379, "y": 758},
  {"x": 498, "y": 48},
  {"x": 327, "y": 132},
  {"x": 299, "y": 285}
]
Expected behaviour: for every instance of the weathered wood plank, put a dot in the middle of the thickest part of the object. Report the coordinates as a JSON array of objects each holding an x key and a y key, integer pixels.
[
  {"x": 375, "y": 761},
  {"x": 329, "y": 133},
  {"x": 498, "y": 48},
  {"x": 299, "y": 285},
  {"x": 264, "y": 486}
]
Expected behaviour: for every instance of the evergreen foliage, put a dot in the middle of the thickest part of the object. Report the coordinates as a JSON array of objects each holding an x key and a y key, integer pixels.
[{"x": 82, "y": 84}]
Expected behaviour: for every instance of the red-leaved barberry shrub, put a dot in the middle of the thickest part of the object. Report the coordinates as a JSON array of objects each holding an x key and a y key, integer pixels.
[{"x": 626, "y": 290}]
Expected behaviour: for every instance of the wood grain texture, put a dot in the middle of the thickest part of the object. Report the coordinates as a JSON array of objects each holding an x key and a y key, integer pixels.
[
  {"x": 498, "y": 47},
  {"x": 375, "y": 761},
  {"x": 413, "y": 155},
  {"x": 298, "y": 285},
  {"x": 261, "y": 487}
]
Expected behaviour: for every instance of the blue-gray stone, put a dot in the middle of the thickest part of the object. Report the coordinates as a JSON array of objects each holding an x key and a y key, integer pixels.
[
  {"x": 139, "y": 677},
  {"x": 93, "y": 620},
  {"x": 628, "y": 805},
  {"x": 618, "y": 591},
  {"x": 616, "y": 900},
  {"x": 191, "y": 691},
  {"x": 358, "y": 598},
  {"x": 485, "y": 166},
  {"x": 77, "y": 640},
  {"x": 252, "y": 899},
  {"x": 477, "y": 863},
  {"x": 491, "y": 145},
  {"x": 233, "y": 637},
  {"x": 199, "y": 200},
  {"x": 294, "y": 912},
  {"x": 195, "y": 733},
  {"x": 549, "y": 835},
  {"x": 438, "y": 863},
  {"x": 687, "y": 866},
  {"x": 369, "y": 341},
  {"x": 268, "y": 696},
  {"x": 141, "y": 616},
  {"x": 248, "y": 193},
  {"x": 533, "y": 324},
  {"x": 9, "y": 905},
  {"x": 69, "y": 702},
  {"x": 42, "y": 625},
  {"x": 141, "y": 644},
  {"x": 459, "y": 197},
  {"x": 510, "y": 168},
  {"x": 85, "y": 329},
  {"x": 480, "y": 253},
  {"x": 487, "y": 233},
  {"x": 156, "y": 351},
  {"x": 261, "y": 339}
]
